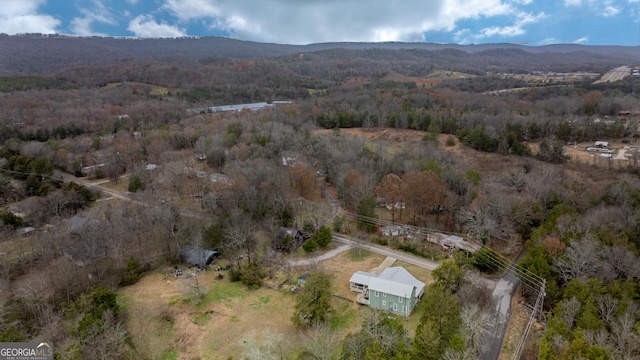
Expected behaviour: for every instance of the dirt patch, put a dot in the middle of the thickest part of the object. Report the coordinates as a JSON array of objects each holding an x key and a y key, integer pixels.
[{"x": 420, "y": 82}]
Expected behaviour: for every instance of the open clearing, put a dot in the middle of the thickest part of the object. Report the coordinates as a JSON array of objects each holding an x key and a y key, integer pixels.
[
  {"x": 165, "y": 324},
  {"x": 153, "y": 89}
]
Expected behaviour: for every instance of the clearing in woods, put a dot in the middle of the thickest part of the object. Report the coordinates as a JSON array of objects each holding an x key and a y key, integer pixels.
[{"x": 164, "y": 324}]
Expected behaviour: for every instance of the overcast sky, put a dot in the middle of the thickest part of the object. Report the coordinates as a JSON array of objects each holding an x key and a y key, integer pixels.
[{"x": 534, "y": 22}]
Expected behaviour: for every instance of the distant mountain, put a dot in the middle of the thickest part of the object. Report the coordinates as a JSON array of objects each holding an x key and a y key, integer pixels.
[{"x": 41, "y": 54}]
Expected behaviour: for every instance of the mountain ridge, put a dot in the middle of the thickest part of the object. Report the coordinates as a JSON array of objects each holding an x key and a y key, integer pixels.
[{"x": 40, "y": 54}]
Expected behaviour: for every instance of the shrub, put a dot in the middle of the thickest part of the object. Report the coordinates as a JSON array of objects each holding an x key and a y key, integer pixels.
[
  {"x": 132, "y": 272},
  {"x": 235, "y": 274},
  {"x": 10, "y": 219},
  {"x": 379, "y": 240},
  {"x": 323, "y": 237},
  {"x": 310, "y": 245},
  {"x": 11, "y": 333},
  {"x": 135, "y": 184},
  {"x": 451, "y": 141},
  {"x": 252, "y": 276}
]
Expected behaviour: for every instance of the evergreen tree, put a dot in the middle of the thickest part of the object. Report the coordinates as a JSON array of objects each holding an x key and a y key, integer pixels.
[{"x": 314, "y": 304}]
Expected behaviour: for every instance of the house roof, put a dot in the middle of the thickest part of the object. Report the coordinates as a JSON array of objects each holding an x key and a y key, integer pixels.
[
  {"x": 393, "y": 280},
  {"x": 391, "y": 287},
  {"x": 398, "y": 274},
  {"x": 287, "y": 231},
  {"x": 362, "y": 278}
]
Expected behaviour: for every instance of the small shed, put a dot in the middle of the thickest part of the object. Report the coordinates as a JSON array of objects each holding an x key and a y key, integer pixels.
[
  {"x": 302, "y": 279},
  {"x": 197, "y": 256}
]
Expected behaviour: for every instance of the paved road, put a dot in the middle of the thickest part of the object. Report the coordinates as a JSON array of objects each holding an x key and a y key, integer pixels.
[
  {"x": 413, "y": 260},
  {"x": 348, "y": 243},
  {"x": 501, "y": 303}
]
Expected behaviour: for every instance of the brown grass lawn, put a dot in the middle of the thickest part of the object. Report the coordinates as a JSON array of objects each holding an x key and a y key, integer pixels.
[
  {"x": 154, "y": 89},
  {"x": 166, "y": 324}
]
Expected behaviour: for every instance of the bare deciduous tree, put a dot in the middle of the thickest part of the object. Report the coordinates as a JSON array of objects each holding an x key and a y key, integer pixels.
[
  {"x": 477, "y": 325},
  {"x": 107, "y": 341},
  {"x": 624, "y": 333},
  {"x": 267, "y": 346},
  {"x": 392, "y": 190},
  {"x": 239, "y": 235},
  {"x": 580, "y": 260},
  {"x": 570, "y": 309},
  {"x": 321, "y": 342},
  {"x": 607, "y": 306}
]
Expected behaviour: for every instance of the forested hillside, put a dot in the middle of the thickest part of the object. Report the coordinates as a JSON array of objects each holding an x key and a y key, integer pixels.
[{"x": 107, "y": 171}]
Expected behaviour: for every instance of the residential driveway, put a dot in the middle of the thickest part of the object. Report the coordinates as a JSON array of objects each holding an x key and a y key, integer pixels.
[
  {"x": 413, "y": 260},
  {"x": 620, "y": 155},
  {"x": 501, "y": 303},
  {"x": 348, "y": 243},
  {"x": 325, "y": 256}
]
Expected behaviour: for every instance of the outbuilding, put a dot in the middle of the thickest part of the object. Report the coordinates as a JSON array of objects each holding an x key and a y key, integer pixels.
[{"x": 197, "y": 256}]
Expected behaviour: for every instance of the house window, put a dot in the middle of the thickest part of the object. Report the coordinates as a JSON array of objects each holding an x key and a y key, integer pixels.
[
  {"x": 384, "y": 302},
  {"x": 395, "y": 307},
  {"x": 384, "y": 294},
  {"x": 399, "y": 298},
  {"x": 404, "y": 309},
  {"x": 376, "y": 293}
]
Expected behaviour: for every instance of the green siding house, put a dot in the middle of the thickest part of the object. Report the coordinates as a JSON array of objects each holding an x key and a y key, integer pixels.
[{"x": 394, "y": 290}]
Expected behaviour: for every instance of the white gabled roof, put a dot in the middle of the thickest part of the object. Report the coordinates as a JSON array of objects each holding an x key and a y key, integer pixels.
[
  {"x": 398, "y": 274},
  {"x": 362, "y": 278},
  {"x": 391, "y": 287}
]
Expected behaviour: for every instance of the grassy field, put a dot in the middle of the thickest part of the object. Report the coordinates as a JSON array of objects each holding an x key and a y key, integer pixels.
[
  {"x": 166, "y": 323},
  {"x": 154, "y": 89}
]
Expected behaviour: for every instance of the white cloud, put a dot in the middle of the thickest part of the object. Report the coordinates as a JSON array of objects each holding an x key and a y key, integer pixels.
[
  {"x": 517, "y": 28},
  {"x": 192, "y": 9},
  {"x": 513, "y": 30},
  {"x": 548, "y": 41},
  {"x": 132, "y": 1},
  {"x": 21, "y": 16},
  {"x": 308, "y": 21},
  {"x": 581, "y": 40},
  {"x": 147, "y": 26},
  {"x": 610, "y": 11},
  {"x": 98, "y": 13},
  {"x": 606, "y": 8}
]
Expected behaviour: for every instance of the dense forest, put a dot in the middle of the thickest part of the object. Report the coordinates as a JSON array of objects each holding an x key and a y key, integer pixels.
[{"x": 106, "y": 171}]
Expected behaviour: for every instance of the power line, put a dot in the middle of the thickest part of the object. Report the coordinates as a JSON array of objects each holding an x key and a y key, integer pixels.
[{"x": 496, "y": 260}]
